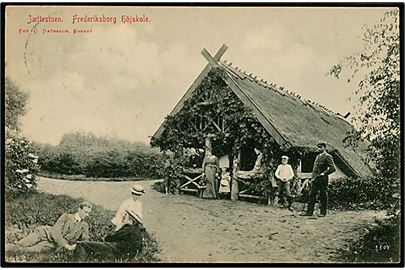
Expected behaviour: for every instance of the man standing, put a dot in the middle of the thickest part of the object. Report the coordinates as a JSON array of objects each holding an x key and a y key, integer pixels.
[
  {"x": 68, "y": 229},
  {"x": 323, "y": 166},
  {"x": 285, "y": 174}
]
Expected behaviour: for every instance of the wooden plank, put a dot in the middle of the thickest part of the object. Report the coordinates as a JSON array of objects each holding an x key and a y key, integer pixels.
[
  {"x": 189, "y": 189},
  {"x": 191, "y": 181},
  {"x": 251, "y": 196},
  {"x": 304, "y": 175},
  {"x": 209, "y": 58},
  {"x": 220, "y": 52}
]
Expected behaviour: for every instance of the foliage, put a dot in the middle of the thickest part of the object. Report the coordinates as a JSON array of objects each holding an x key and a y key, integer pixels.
[
  {"x": 20, "y": 160},
  {"x": 380, "y": 244},
  {"x": 80, "y": 153},
  {"x": 362, "y": 193},
  {"x": 20, "y": 165},
  {"x": 242, "y": 127},
  {"x": 25, "y": 214},
  {"x": 15, "y": 104},
  {"x": 124, "y": 164},
  {"x": 377, "y": 116}
]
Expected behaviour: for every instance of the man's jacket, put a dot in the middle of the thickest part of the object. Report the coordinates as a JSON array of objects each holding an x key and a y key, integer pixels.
[
  {"x": 68, "y": 231},
  {"x": 323, "y": 164}
]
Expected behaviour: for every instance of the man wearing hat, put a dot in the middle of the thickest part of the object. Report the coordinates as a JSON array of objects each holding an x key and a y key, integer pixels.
[
  {"x": 284, "y": 174},
  {"x": 132, "y": 205},
  {"x": 127, "y": 238},
  {"x": 323, "y": 166}
]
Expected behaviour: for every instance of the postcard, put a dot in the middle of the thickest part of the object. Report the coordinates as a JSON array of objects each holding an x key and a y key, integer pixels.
[{"x": 265, "y": 134}]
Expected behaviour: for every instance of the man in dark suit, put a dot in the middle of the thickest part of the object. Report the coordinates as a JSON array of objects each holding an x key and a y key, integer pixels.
[{"x": 323, "y": 166}]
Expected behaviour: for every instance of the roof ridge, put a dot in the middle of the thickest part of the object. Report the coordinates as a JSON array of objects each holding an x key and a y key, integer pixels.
[{"x": 281, "y": 90}]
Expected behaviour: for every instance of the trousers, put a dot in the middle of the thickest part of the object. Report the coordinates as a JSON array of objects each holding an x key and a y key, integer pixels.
[
  {"x": 284, "y": 191},
  {"x": 94, "y": 249},
  {"x": 38, "y": 240},
  {"x": 320, "y": 185}
]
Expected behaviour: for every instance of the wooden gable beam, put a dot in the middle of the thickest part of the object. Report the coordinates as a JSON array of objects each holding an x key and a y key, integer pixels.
[
  {"x": 266, "y": 122},
  {"x": 209, "y": 58},
  {"x": 193, "y": 86}
]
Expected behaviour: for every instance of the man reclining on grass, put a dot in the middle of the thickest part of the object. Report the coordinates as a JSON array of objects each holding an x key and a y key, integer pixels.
[{"x": 68, "y": 229}]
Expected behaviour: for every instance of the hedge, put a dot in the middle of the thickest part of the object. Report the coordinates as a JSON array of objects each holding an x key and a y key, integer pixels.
[
  {"x": 111, "y": 163},
  {"x": 374, "y": 193}
]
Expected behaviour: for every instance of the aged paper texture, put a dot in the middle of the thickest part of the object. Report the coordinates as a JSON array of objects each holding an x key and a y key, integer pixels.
[{"x": 202, "y": 134}]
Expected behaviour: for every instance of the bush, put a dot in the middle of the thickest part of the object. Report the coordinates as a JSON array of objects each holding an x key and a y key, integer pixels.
[
  {"x": 86, "y": 154},
  {"x": 124, "y": 164},
  {"x": 25, "y": 214},
  {"x": 20, "y": 165},
  {"x": 380, "y": 244},
  {"x": 374, "y": 193}
]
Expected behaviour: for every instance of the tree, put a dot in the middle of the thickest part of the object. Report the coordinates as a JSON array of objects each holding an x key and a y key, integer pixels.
[
  {"x": 377, "y": 115},
  {"x": 16, "y": 101}
]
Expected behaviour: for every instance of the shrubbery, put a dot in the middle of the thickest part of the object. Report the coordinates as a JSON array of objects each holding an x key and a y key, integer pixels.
[
  {"x": 124, "y": 164},
  {"x": 20, "y": 165},
  {"x": 92, "y": 156},
  {"x": 20, "y": 160},
  {"x": 363, "y": 193},
  {"x": 28, "y": 212},
  {"x": 380, "y": 244}
]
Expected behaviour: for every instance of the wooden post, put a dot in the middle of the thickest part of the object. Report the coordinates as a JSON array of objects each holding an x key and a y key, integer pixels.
[
  {"x": 208, "y": 142},
  {"x": 234, "y": 184},
  {"x": 178, "y": 154},
  {"x": 271, "y": 195}
]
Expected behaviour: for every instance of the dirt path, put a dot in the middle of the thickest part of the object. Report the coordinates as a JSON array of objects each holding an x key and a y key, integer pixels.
[{"x": 190, "y": 229}]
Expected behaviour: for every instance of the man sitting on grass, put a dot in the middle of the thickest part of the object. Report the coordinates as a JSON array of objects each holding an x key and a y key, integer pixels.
[
  {"x": 68, "y": 229},
  {"x": 127, "y": 238}
]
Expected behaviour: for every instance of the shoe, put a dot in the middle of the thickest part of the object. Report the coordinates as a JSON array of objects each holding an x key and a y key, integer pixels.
[
  {"x": 305, "y": 215},
  {"x": 321, "y": 215}
]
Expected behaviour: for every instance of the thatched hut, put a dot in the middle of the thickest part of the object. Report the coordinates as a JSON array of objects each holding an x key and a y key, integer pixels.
[{"x": 235, "y": 112}]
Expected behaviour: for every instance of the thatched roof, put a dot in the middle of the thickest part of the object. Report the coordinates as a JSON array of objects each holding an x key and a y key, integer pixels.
[{"x": 291, "y": 120}]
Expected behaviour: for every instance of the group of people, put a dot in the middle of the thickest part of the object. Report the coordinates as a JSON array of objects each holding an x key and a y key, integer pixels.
[
  {"x": 71, "y": 232},
  {"x": 216, "y": 180},
  {"x": 323, "y": 167}
]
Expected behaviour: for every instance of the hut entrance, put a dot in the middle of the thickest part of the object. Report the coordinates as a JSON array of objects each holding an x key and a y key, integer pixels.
[
  {"x": 308, "y": 162},
  {"x": 247, "y": 157}
]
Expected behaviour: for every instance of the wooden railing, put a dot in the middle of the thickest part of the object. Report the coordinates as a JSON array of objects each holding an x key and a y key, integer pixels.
[{"x": 190, "y": 180}]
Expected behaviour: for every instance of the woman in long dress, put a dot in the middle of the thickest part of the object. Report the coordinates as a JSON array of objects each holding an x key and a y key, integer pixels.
[{"x": 210, "y": 168}]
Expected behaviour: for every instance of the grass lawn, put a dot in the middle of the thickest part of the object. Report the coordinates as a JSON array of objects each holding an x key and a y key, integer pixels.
[{"x": 26, "y": 213}]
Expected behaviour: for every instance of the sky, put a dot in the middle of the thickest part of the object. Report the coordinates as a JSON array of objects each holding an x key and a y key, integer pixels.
[{"x": 121, "y": 80}]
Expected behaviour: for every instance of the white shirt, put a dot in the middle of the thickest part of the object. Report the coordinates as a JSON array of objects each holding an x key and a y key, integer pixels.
[
  {"x": 121, "y": 218},
  {"x": 77, "y": 217},
  {"x": 284, "y": 171}
]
